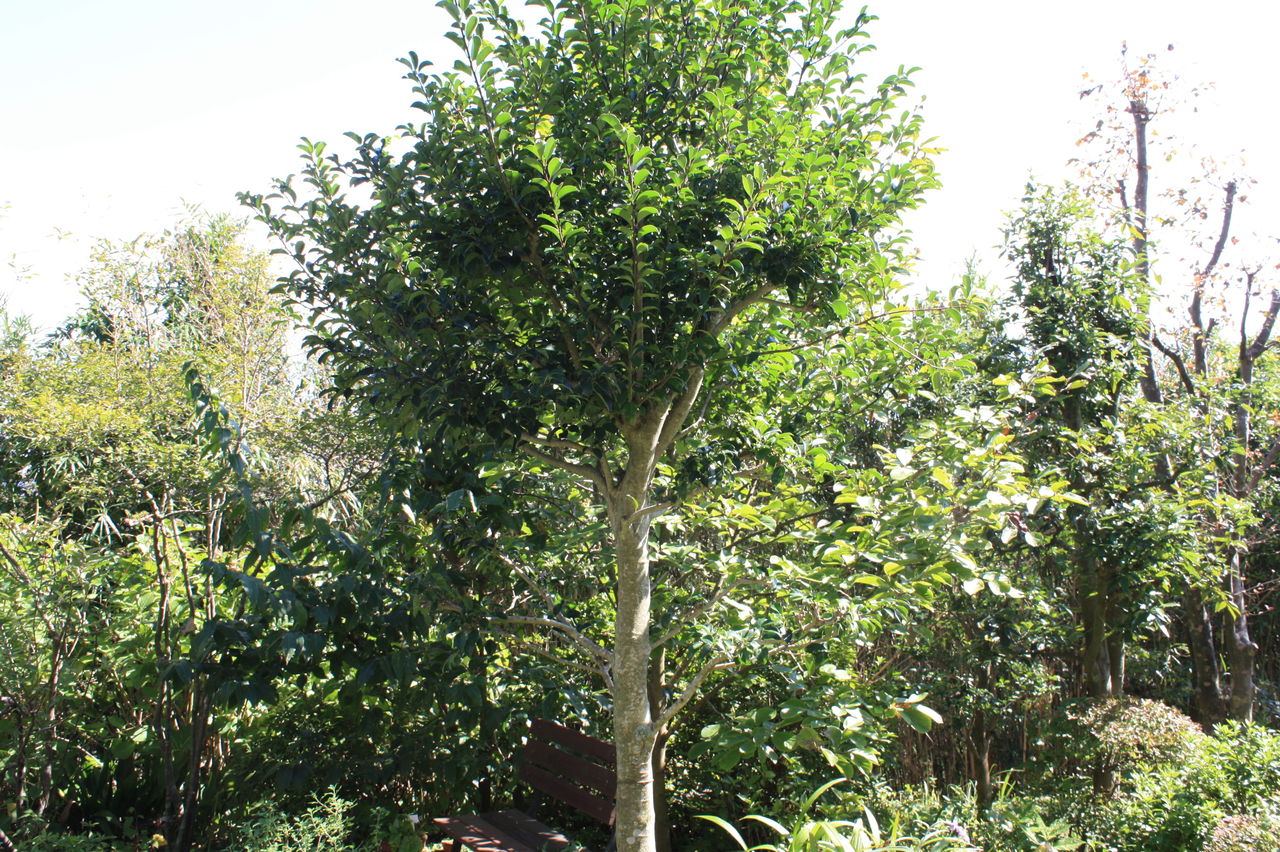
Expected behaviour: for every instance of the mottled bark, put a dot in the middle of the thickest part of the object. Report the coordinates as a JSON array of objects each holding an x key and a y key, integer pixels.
[
  {"x": 1095, "y": 661},
  {"x": 634, "y": 731},
  {"x": 980, "y": 746}
]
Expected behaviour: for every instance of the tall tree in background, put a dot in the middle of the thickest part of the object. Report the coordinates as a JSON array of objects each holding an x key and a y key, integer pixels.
[
  {"x": 1080, "y": 307},
  {"x": 590, "y": 230},
  {"x": 1209, "y": 374}
]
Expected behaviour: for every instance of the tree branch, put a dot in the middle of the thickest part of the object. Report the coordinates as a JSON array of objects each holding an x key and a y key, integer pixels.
[
  {"x": 547, "y": 655},
  {"x": 1267, "y": 461},
  {"x": 690, "y": 616},
  {"x": 589, "y": 647},
  {"x": 1268, "y": 323},
  {"x": 1223, "y": 234},
  {"x": 25, "y": 579},
  {"x": 1181, "y": 366},
  {"x": 533, "y": 584},
  {"x": 719, "y": 661},
  {"x": 679, "y": 412},
  {"x": 755, "y": 297},
  {"x": 586, "y": 472},
  {"x": 558, "y": 444}
]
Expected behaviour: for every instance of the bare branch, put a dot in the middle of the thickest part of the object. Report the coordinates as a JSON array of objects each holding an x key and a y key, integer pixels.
[
  {"x": 1141, "y": 118},
  {"x": 697, "y": 421},
  {"x": 721, "y": 661},
  {"x": 781, "y": 528},
  {"x": 547, "y": 655},
  {"x": 1223, "y": 235},
  {"x": 731, "y": 313},
  {"x": 1260, "y": 342},
  {"x": 1267, "y": 461},
  {"x": 558, "y": 444},
  {"x": 787, "y": 306},
  {"x": 679, "y": 412},
  {"x": 533, "y": 584},
  {"x": 1172, "y": 355},
  {"x": 849, "y": 327}
]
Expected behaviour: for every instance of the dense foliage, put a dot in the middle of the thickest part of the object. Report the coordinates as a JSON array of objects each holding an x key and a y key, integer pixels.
[{"x": 610, "y": 408}]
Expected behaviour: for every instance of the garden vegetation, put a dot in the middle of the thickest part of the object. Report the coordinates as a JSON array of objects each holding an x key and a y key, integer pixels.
[{"x": 607, "y": 405}]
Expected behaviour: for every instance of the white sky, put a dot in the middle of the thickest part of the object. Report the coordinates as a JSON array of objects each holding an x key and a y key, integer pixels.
[{"x": 113, "y": 114}]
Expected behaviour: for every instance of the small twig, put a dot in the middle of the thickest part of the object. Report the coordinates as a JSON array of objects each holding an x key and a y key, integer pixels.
[
  {"x": 547, "y": 655},
  {"x": 533, "y": 584}
]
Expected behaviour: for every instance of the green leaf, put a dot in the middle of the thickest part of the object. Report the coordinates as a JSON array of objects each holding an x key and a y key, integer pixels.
[
  {"x": 729, "y": 829},
  {"x": 919, "y": 717}
]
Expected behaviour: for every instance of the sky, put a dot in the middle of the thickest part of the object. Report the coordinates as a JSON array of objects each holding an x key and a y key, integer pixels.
[{"x": 116, "y": 116}]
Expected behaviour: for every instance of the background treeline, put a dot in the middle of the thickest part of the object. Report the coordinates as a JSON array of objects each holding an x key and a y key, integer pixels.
[{"x": 1003, "y": 557}]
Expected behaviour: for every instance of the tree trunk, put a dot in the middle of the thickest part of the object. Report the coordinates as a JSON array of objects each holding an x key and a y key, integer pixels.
[
  {"x": 201, "y": 706},
  {"x": 633, "y": 725},
  {"x": 661, "y": 812},
  {"x": 980, "y": 744},
  {"x": 1095, "y": 662},
  {"x": 1240, "y": 647},
  {"x": 1116, "y": 656},
  {"x": 1209, "y": 708},
  {"x": 51, "y": 721},
  {"x": 20, "y": 771}
]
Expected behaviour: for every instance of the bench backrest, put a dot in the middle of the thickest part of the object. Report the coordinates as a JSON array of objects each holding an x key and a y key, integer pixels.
[{"x": 571, "y": 767}]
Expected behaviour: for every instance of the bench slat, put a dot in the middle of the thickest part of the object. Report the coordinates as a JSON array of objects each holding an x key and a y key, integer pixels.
[
  {"x": 564, "y": 752},
  {"x": 478, "y": 834},
  {"x": 528, "y": 830},
  {"x": 582, "y": 799},
  {"x": 572, "y": 768},
  {"x": 551, "y": 732}
]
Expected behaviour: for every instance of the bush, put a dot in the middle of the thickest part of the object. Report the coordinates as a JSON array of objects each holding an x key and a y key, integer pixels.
[
  {"x": 1121, "y": 734},
  {"x": 1239, "y": 766},
  {"x": 322, "y": 827},
  {"x": 55, "y": 841},
  {"x": 1243, "y": 833},
  {"x": 1223, "y": 787}
]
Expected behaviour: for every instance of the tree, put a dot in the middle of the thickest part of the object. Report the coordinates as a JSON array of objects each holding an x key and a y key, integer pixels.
[
  {"x": 590, "y": 234},
  {"x": 110, "y": 516},
  {"x": 1210, "y": 378},
  {"x": 1080, "y": 304}
]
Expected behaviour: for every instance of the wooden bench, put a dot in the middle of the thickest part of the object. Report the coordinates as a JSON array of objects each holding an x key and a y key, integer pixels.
[{"x": 559, "y": 762}]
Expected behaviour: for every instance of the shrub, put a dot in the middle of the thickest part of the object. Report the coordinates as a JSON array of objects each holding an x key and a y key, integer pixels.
[
  {"x": 55, "y": 841},
  {"x": 1222, "y": 787},
  {"x": 322, "y": 827},
  {"x": 1244, "y": 833},
  {"x": 858, "y": 832},
  {"x": 1240, "y": 767},
  {"x": 1129, "y": 732}
]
